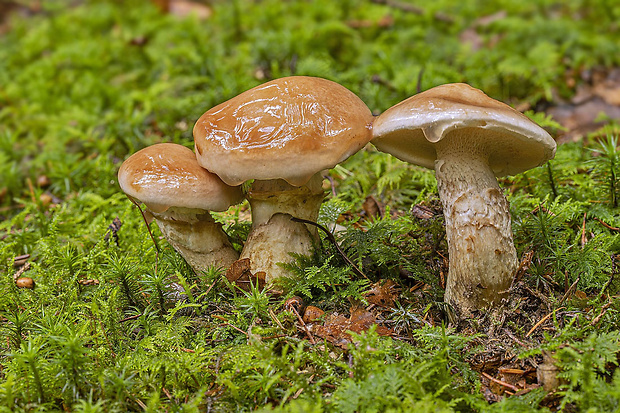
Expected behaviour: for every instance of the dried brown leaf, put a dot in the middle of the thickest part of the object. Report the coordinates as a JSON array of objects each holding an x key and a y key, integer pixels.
[
  {"x": 239, "y": 274},
  {"x": 383, "y": 293}
]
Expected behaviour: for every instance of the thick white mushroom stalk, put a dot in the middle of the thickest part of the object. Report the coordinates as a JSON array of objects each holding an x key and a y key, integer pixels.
[
  {"x": 197, "y": 237},
  {"x": 274, "y": 235},
  {"x": 469, "y": 139},
  {"x": 483, "y": 259}
]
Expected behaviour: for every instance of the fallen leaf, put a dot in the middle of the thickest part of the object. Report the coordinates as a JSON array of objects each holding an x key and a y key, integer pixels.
[
  {"x": 420, "y": 211},
  {"x": 337, "y": 327},
  {"x": 239, "y": 274},
  {"x": 372, "y": 207},
  {"x": 383, "y": 293},
  {"x": 583, "y": 118}
]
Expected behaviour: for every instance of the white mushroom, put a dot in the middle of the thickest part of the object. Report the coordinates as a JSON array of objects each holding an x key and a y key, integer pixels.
[
  {"x": 179, "y": 193},
  {"x": 282, "y": 134},
  {"x": 469, "y": 139}
]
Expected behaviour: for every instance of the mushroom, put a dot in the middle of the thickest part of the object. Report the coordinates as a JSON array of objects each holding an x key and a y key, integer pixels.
[
  {"x": 282, "y": 134},
  {"x": 469, "y": 139},
  {"x": 179, "y": 194}
]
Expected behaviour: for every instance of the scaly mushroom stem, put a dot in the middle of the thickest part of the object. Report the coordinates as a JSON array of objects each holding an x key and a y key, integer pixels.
[
  {"x": 483, "y": 259},
  {"x": 274, "y": 236},
  {"x": 197, "y": 237}
]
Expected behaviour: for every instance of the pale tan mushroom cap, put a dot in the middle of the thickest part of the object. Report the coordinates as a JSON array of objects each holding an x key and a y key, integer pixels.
[
  {"x": 167, "y": 175},
  {"x": 288, "y": 128},
  {"x": 410, "y": 129}
]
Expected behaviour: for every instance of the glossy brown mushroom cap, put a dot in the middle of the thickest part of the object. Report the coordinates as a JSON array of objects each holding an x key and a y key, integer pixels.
[
  {"x": 167, "y": 175},
  {"x": 288, "y": 128},
  {"x": 410, "y": 129}
]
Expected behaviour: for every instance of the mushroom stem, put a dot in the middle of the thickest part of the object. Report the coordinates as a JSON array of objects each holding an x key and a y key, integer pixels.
[
  {"x": 483, "y": 259},
  {"x": 274, "y": 236},
  {"x": 198, "y": 238}
]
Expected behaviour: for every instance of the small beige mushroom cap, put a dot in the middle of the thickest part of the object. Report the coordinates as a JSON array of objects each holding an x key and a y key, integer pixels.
[
  {"x": 288, "y": 128},
  {"x": 410, "y": 129},
  {"x": 167, "y": 175}
]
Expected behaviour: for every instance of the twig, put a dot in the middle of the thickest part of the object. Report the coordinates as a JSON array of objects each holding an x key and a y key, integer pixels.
[
  {"x": 524, "y": 265},
  {"x": 583, "y": 231},
  {"x": 419, "y": 85},
  {"x": 211, "y": 286},
  {"x": 22, "y": 270},
  {"x": 148, "y": 228},
  {"x": 331, "y": 184},
  {"x": 141, "y": 404},
  {"x": 501, "y": 383},
  {"x": 31, "y": 189},
  {"x": 512, "y": 371},
  {"x": 606, "y": 225},
  {"x": 570, "y": 291},
  {"x": 542, "y": 320},
  {"x": 515, "y": 339},
  {"x": 604, "y": 309},
  {"x": 537, "y": 294},
  {"x": 230, "y": 325},
  {"x": 331, "y": 238},
  {"x": 554, "y": 190},
  {"x": 305, "y": 327},
  {"x": 133, "y": 317},
  {"x": 275, "y": 319},
  {"x": 609, "y": 281}
]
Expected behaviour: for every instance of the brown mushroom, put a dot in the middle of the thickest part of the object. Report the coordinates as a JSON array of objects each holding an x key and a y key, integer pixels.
[
  {"x": 179, "y": 194},
  {"x": 282, "y": 134},
  {"x": 469, "y": 139}
]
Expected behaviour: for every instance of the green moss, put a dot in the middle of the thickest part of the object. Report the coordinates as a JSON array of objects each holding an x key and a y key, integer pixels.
[{"x": 115, "y": 325}]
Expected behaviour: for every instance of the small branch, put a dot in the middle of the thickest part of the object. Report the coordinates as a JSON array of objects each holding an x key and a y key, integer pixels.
[
  {"x": 230, "y": 325},
  {"x": 604, "y": 309},
  {"x": 542, "y": 320},
  {"x": 305, "y": 327},
  {"x": 31, "y": 190},
  {"x": 419, "y": 85},
  {"x": 133, "y": 317},
  {"x": 524, "y": 265},
  {"x": 554, "y": 190},
  {"x": 583, "y": 231},
  {"x": 22, "y": 270},
  {"x": 331, "y": 238},
  {"x": 275, "y": 319},
  {"x": 515, "y": 339},
  {"x": 501, "y": 383},
  {"x": 607, "y": 225},
  {"x": 610, "y": 280},
  {"x": 331, "y": 184},
  {"x": 570, "y": 291},
  {"x": 148, "y": 228}
]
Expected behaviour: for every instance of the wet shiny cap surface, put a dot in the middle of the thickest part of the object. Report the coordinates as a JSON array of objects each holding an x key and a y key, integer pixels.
[
  {"x": 409, "y": 129},
  {"x": 167, "y": 175},
  {"x": 288, "y": 128}
]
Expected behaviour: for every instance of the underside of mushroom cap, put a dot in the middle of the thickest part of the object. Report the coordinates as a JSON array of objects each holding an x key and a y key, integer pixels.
[
  {"x": 288, "y": 128},
  {"x": 167, "y": 175},
  {"x": 410, "y": 129}
]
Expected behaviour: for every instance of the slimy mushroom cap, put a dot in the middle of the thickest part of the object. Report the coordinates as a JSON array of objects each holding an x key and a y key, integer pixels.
[
  {"x": 288, "y": 128},
  {"x": 410, "y": 129}
]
